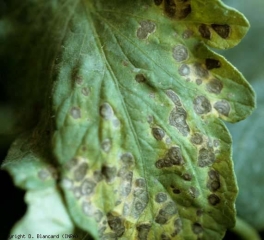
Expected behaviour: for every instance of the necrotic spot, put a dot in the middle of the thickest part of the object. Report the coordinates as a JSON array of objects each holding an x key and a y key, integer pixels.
[
  {"x": 140, "y": 78},
  {"x": 174, "y": 97},
  {"x": 158, "y": 133},
  {"x": 222, "y": 30},
  {"x": 176, "y": 191},
  {"x": 197, "y": 228},
  {"x": 200, "y": 71},
  {"x": 213, "y": 199},
  {"x": 214, "y": 86},
  {"x": 206, "y": 157},
  {"x": 146, "y": 27},
  {"x": 184, "y": 70},
  {"x": 116, "y": 224},
  {"x": 177, "y": 226},
  {"x": 143, "y": 230},
  {"x": 80, "y": 172},
  {"x": 197, "y": 139},
  {"x": 194, "y": 192},
  {"x": 212, "y": 63},
  {"x": 97, "y": 176},
  {"x": 202, "y": 105},
  {"x": 164, "y": 236},
  {"x": 178, "y": 118},
  {"x": 213, "y": 175},
  {"x": 87, "y": 187},
  {"x": 187, "y": 177},
  {"x": 127, "y": 159},
  {"x": 184, "y": 11},
  {"x": 126, "y": 184},
  {"x": 214, "y": 186},
  {"x": 109, "y": 173},
  {"x": 77, "y": 192},
  {"x": 106, "y": 145},
  {"x": 222, "y": 107},
  {"x": 205, "y": 31},
  {"x": 43, "y": 174},
  {"x": 174, "y": 156},
  {"x": 161, "y": 197},
  {"x": 180, "y": 53},
  {"x": 170, "y": 7},
  {"x": 71, "y": 163},
  {"x": 87, "y": 209},
  {"x": 140, "y": 183},
  {"x": 106, "y": 111},
  {"x": 76, "y": 112},
  {"x": 85, "y": 91}
]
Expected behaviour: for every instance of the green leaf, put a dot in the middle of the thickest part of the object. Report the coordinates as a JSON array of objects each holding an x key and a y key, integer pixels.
[
  {"x": 36, "y": 175},
  {"x": 137, "y": 99},
  {"x": 248, "y": 158}
]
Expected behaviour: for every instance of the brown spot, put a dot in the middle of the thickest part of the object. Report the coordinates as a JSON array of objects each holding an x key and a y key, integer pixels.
[
  {"x": 76, "y": 112},
  {"x": 212, "y": 63},
  {"x": 116, "y": 224},
  {"x": 187, "y": 177},
  {"x": 202, "y": 105},
  {"x": 174, "y": 156},
  {"x": 180, "y": 53},
  {"x": 140, "y": 183},
  {"x": 127, "y": 159},
  {"x": 184, "y": 11},
  {"x": 140, "y": 78},
  {"x": 158, "y": 133},
  {"x": 214, "y": 86},
  {"x": 106, "y": 111},
  {"x": 126, "y": 184},
  {"x": 206, "y": 157},
  {"x": 146, "y": 27},
  {"x": 170, "y": 7},
  {"x": 177, "y": 226},
  {"x": 214, "y": 181},
  {"x": 143, "y": 230},
  {"x": 222, "y": 107},
  {"x": 197, "y": 139},
  {"x": 205, "y": 31},
  {"x": 85, "y": 91},
  {"x": 194, "y": 192},
  {"x": 197, "y": 228},
  {"x": 80, "y": 172},
  {"x": 223, "y": 30},
  {"x": 184, "y": 70},
  {"x": 174, "y": 97},
  {"x": 98, "y": 176},
  {"x": 87, "y": 187},
  {"x": 106, "y": 145},
  {"x": 161, "y": 197},
  {"x": 176, "y": 191},
  {"x": 200, "y": 71},
  {"x": 166, "y": 213},
  {"x": 158, "y": 2},
  {"x": 214, "y": 186},
  {"x": 109, "y": 173},
  {"x": 164, "y": 236},
  {"x": 177, "y": 119},
  {"x": 213, "y": 199}
]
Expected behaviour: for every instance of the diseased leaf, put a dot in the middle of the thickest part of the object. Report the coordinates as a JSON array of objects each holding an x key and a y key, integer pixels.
[
  {"x": 137, "y": 98},
  {"x": 248, "y": 158}
]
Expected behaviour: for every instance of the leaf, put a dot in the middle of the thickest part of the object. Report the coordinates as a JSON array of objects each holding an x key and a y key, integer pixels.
[
  {"x": 32, "y": 173},
  {"x": 136, "y": 99},
  {"x": 248, "y": 158}
]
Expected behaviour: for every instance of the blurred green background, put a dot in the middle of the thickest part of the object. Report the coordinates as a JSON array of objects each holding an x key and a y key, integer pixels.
[{"x": 248, "y": 135}]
